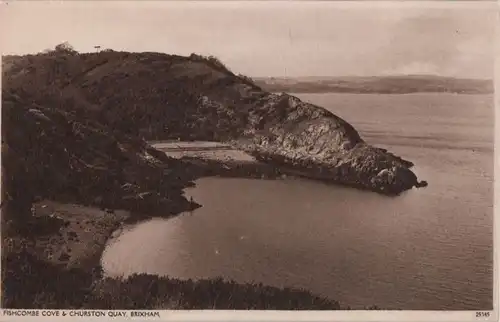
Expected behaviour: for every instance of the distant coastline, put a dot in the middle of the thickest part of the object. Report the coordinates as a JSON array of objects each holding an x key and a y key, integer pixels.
[{"x": 403, "y": 84}]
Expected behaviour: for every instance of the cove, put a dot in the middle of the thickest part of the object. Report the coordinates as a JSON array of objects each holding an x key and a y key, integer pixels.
[{"x": 356, "y": 247}]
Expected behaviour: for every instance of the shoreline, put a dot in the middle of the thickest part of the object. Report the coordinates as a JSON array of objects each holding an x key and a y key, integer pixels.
[
  {"x": 78, "y": 236},
  {"x": 207, "y": 158},
  {"x": 98, "y": 291}
]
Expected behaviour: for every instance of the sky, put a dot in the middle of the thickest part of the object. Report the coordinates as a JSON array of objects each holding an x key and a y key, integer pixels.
[{"x": 283, "y": 38}]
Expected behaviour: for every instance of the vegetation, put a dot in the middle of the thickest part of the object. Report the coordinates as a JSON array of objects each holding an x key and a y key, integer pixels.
[
  {"x": 49, "y": 153},
  {"x": 167, "y": 293},
  {"x": 65, "y": 48},
  {"x": 143, "y": 108},
  {"x": 30, "y": 283},
  {"x": 212, "y": 61}
]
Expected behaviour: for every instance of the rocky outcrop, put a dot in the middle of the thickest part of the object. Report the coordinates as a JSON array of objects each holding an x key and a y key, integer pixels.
[
  {"x": 158, "y": 96},
  {"x": 312, "y": 142}
]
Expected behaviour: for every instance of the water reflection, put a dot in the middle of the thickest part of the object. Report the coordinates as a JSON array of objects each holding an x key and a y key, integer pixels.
[
  {"x": 428, "y": 249},
  {"x": 305, "y": 234}
]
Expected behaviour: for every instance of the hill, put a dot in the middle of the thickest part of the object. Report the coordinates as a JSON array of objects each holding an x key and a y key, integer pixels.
[
  {"x": 74, "y": 131},
  {"x": 158, "y": 96},
  {"x": 51, "y": 254},
  {"x": 376, "y": 84}
]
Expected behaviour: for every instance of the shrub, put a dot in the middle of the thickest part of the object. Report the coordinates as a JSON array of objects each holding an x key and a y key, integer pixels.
[
  {"x": 65, "y": 48},
  {"x": 247, "y": 80},
  {"x": 212, "y": 61}
]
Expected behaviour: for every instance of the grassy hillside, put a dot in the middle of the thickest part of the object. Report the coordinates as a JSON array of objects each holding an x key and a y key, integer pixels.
[
  {"x": 376, "y": 84},
  {"x": 158, "y": 96},
  {"x": 51, "y": 153}
]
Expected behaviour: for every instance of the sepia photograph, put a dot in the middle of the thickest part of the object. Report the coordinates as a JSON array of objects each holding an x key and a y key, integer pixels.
[{"x": 247, "y": 155}]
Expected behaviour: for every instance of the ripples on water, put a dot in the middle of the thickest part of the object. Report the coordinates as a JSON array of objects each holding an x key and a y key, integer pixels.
[{"x": 428, "y": 249}]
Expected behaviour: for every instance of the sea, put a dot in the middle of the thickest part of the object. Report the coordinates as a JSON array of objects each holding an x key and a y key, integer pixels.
[{"x": 428, "y": 249}]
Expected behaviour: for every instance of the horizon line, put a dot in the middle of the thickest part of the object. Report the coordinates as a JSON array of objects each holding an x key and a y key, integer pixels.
[{"x": 368, "y": 76}]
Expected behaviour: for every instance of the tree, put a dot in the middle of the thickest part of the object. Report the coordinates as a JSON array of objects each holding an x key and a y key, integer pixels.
[{"x": 65, "y": 47}]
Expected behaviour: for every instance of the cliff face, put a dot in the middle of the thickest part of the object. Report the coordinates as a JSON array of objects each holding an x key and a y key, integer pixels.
[
  {"x": 313, "y": 142},
  {"x": 160, "y": 96}
]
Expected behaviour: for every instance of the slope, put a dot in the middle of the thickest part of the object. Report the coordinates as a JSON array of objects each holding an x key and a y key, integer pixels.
[{"x": 158, "y": 96}]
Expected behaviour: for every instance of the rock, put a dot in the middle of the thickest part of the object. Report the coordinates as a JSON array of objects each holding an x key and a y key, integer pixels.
[
  {"x": 421, "y": 184},
  {"x": 64, "y": 257},
  {"x": 384, "y": 174},
  {"x": 39, "y": 114}
]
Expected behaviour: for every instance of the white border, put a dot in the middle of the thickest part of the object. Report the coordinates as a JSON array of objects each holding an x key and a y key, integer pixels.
[
  {"x": 299, "y": 316},
  {"x": 355, "y": 315}
]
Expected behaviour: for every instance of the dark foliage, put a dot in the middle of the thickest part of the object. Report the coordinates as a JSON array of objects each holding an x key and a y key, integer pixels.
[
  {"x": 51, "y": 153},
  {"x": 30, "y": 283},
  {"x": 161, "y": 100},
  {"x": 203, "y": 294}
]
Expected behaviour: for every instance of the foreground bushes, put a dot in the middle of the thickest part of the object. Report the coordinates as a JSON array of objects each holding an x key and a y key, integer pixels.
[
  {"x": 30, "y": 283},
  {"x": 167, "y": 293}
]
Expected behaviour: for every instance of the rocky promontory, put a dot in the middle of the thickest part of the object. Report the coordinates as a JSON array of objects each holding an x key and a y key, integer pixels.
[
  {"x": 161, "y": 97},
  {"x": 312, "y": 142}
]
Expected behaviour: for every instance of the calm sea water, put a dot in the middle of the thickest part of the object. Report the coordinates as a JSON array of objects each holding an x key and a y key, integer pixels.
[{"x": 428, "y": 249}]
